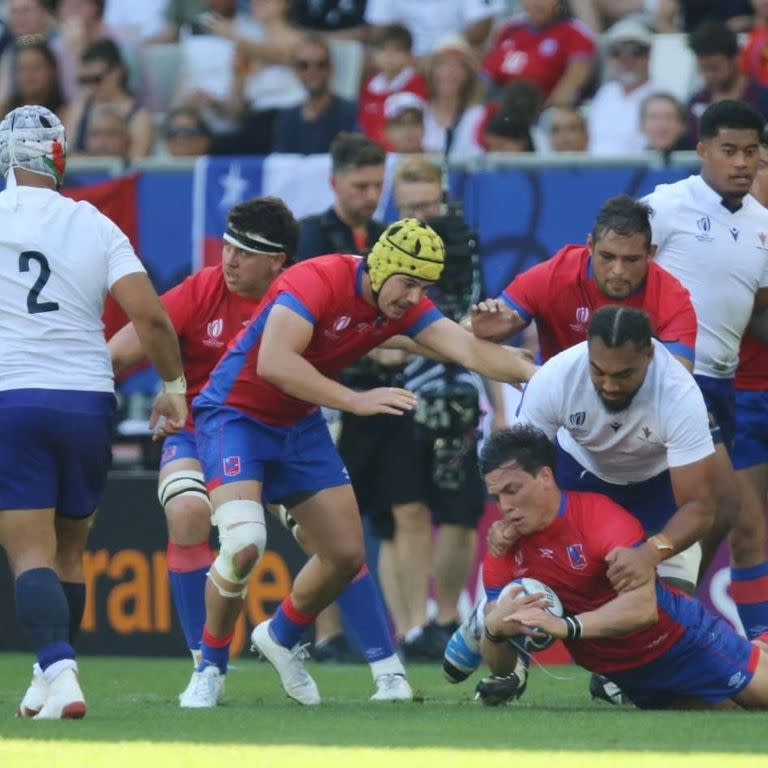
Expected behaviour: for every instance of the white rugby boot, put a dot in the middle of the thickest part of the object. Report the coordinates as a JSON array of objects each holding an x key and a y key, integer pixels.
[
  {"x": 35, "y": 696},
  {"x": 392, "y": 687},
  {"x": 205, "y": 689},
  {"x": 65, "y": 700},
  {"x": 289, "y": 664}
]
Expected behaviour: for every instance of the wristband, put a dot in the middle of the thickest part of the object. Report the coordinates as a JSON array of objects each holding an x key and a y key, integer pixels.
[
  {"x": 574, "y": 627},
  {"x": 494, "y": 638},
  {"x": 175, "y": 386}
]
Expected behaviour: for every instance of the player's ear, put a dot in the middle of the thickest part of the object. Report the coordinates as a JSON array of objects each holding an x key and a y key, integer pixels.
[
  {"x": 702, "y": 149},
  {"x": 590, "y": 242}
]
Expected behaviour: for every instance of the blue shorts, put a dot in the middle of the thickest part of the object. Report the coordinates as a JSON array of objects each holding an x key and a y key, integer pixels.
[
  {"x": 720, "y": 397},
  {"x": 288, "y": 460},
  {"x": 652, "y": 501},
  {"x": 182, "y": 445},
  {"x": 56, "y": 449},
  {"x": 750, "y": 447},
  {"x": 710, "y": 662}
]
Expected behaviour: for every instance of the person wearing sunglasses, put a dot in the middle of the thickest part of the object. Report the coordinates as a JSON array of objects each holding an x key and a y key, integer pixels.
[
  {"x": 614, "y": 117},
  {"x": 310, "y": 127},
  {"x": 186, "y": 133}
]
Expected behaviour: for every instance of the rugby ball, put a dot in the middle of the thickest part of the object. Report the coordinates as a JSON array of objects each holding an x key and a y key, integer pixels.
[{"x": 555, "y": 607}]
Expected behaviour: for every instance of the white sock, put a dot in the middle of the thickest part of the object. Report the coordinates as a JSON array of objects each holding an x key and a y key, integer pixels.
[
  {"x": 413, "y": 633},
  {"x": 54, "y": 670},
  {"x": 389, "y": 666}
]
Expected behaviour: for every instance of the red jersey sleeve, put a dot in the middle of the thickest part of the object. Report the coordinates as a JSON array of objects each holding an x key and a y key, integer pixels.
[
  {"x": 605, "y": 525},
  {"x": 420, "y": 317},
  {"x": 180, "y": 304},
  {"x": 677, "y": 322},
  {"x": 497, "y": 573},
  {"x": 581, "y": 44},
  {"x": 529, "y": 291}
]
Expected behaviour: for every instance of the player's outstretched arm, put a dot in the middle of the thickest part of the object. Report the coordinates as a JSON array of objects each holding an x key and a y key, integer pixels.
[
  {"x": 493, "y": 320},
  {"x": 286, "y": 336},
  {"x": 125, "y": 348},
  {"x": 627, "y": 612},
  {"x": 492, "y": 360}
]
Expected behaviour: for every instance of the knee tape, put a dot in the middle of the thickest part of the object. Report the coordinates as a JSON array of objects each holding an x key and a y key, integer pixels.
[
  {"x": 241, "y": 524},
  {"x": 185, "y": 482}
]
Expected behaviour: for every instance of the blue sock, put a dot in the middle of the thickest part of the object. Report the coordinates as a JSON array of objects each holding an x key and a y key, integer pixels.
[
  {"x": 749, "y": 590},
  {"x": 187, "y": 572},
  {"x": 54, "y": 652},
  {"x": 75, "y": 594},
  {"x": 288, "y": 625},
  {"x": 363, "y": 613},
  {"x": 215, "y": 651},
  {"x": 42, "y": 608}
]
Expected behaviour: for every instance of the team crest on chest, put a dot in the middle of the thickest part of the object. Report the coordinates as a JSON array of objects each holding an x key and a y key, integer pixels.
[{"x": 576, "y": 556}]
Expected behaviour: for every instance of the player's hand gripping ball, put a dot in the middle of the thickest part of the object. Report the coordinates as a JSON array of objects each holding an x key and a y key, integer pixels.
[{"x": 555, "y": 607}]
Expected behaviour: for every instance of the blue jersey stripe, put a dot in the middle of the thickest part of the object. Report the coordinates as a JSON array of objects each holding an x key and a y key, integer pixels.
[
  {"x": 492, "y": 594},
  {"x": 427, "y": 319},
  {"x": 226, "y": 373},
  {"x": 514, "y": 305},
  {"x": 681, "y": 350},
  {"x": 295, "y": 304}
]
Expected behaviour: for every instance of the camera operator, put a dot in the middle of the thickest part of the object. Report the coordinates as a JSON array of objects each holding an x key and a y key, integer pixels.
[{"x": 436, "y": 464}]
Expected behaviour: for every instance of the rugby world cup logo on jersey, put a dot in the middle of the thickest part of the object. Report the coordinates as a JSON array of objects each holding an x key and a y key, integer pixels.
[
  {"x": 214, "y": 330},
  {"x": 582, "y": 320},
  {"x": 704, "y": 225},
  {"x": 577, "y": 419}
]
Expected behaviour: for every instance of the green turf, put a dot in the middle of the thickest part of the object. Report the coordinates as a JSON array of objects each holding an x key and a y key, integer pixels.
[{"x": 135, "y": 700}]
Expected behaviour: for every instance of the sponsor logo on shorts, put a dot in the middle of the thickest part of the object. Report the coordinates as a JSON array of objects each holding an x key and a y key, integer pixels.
[
  {"x": 168, "y": 453},
  {"x": 232, "y": 466},
  {"x": 736, "y": 679}
]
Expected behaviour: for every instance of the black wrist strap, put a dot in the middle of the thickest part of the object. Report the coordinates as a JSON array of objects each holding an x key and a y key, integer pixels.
[
  {"x": 494, "y": 638},
  {"x": 574, "y": 627}
]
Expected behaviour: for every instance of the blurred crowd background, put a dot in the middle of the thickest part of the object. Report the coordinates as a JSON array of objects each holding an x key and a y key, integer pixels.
[{"x": 140, "y": 78}]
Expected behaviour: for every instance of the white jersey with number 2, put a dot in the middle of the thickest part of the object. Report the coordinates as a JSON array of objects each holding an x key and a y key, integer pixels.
[{"x": 58, "y": 260}]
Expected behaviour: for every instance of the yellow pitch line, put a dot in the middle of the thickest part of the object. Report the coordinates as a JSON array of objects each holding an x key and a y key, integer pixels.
[{"x": 74, "y": 754}]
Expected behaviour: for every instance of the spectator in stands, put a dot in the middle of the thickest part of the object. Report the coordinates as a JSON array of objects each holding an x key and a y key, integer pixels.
[
  {"x": 431, "y": 21},
  {"x": 664, "y": 123},
  {"x": 25, "y": 18},
  {"x": 395, "y": 73},
  {"x": 311, "y": 127},
  {"x": 566, "y": 129},
  {"x": 104, "y": 82},
  {"x": 737, "y": 14},
  {"x": 404, "y": 127},
  {"x": 80, "y": 24},
  {"x": 107, "y": 134},
  {"x": 207, "y": 66},
  {"x": 754, "y": 55},
  {"x": 341, "y": 19},
  {"x": 35, "y": 77},
  {"x": 508, "y": 132},
  {"x": 136, "y": 21},
  {"x": 186, "y": 133},
  {"x": 716, "y": 48},
  {"x": 454, "y": 113},
  {"x": 183, "y": 14},
  {"x": 614, "y": 117},
  {"x": 661, "y": 15},
  {"x": 546, "y": 48}
]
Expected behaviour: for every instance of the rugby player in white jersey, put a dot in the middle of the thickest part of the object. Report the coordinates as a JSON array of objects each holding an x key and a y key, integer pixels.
[
  {"x": 711, "y": 234},
  {"x": 58, "y": 260},
  {"x": 629, "y": 422}
]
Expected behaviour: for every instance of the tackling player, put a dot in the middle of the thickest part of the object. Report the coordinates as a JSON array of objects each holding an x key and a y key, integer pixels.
[
  {"x": 58, "y": 260},
  {"x": 262, "y": 437},
  {"x": 615, "y": 267},
  {"x": 208, "y": 310},
  {"x": 661, "y": 647},
  {"x": 710, "y": 234}
]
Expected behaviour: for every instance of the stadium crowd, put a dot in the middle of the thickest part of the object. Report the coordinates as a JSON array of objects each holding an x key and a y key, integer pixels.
[{"x": 456, "y": 78}]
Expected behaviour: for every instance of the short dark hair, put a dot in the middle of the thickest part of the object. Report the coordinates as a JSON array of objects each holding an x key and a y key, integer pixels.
[
  {"x": 350, "y": 151},
  {"x": 625, "y": 216},
  {"x": 615, "y": 326},
  {"x": 730, "y": 114},
  {"x": 511, "y": 125},
  {"x": 191, "y": 112},
  {"x": 524, "y": 444},
  {"x": 270, "y": 217},
  {"x": 397, "y": 34},
  {"x": 713, "y": 38}
]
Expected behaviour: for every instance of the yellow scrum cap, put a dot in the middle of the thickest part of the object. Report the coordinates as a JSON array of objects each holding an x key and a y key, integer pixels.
[{"x": 407, "y": 247}]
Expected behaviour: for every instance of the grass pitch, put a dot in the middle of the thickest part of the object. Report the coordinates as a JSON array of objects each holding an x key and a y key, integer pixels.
[{"x": 134, "y": 721}]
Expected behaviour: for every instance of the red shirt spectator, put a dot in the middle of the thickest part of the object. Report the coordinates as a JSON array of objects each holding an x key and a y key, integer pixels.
[
  {"x": 754, "y": 56},
  {"x": 541, "y": 54}
]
